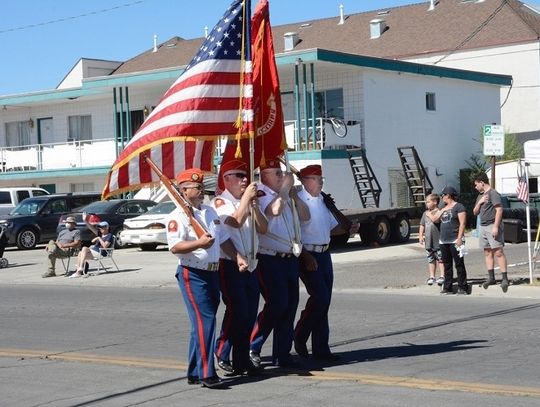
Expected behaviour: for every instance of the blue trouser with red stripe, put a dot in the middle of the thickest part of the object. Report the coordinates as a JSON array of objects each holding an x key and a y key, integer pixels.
[
  {"x": 278, "y": 281},
  {"x": 240, "y": 293},
  {"x": 200, "y": 289},
  {"x": 314, "y": 318}
]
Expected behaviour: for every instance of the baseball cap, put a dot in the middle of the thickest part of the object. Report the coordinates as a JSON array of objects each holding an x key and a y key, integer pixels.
[
  {"x": 103, "y": 224},
  {"x": 70, "y": 219},
  {"x": 448, "y": 190}
]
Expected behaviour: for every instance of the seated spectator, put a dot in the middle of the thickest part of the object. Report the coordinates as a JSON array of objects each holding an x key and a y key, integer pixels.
[
  {"x": 68, "y": 240},
  {"x": 103, "y": 240}
]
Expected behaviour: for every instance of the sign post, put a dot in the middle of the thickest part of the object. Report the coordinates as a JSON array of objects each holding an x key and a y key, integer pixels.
[{"x": 493, "y": 145}]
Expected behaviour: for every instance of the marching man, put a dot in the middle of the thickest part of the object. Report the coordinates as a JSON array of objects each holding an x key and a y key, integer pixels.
[
  {"x": 197, "y": 275},
  {"x": 239, "y": 288}
]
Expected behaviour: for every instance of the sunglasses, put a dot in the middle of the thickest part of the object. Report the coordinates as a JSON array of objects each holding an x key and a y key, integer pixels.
[
  {"x": 199, "y": 187},
  {"x": 239, "y": 175}
]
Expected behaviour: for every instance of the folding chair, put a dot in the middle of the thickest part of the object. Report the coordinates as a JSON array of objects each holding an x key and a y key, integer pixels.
[
  {"x": 67, "y": 260},
  {"x": 104, "y": 256}
]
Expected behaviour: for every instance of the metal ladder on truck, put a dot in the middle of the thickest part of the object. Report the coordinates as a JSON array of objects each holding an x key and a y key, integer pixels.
[
  {"x": 416, "y": 176},
  {"x": 366, "y": 183}
]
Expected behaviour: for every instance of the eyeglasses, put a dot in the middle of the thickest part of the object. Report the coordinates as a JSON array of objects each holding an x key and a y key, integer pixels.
[{"x": 240, "y": 175}]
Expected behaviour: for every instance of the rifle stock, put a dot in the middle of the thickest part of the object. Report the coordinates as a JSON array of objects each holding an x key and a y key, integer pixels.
[{"x": 177, "y": 198}]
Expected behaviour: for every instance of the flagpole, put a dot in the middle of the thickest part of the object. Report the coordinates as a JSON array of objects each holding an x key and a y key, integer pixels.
[{"x": 528, "y": 212}]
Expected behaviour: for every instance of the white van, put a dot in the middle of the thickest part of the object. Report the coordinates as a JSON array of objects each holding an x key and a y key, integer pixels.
[{"x": 10, "y": 197}]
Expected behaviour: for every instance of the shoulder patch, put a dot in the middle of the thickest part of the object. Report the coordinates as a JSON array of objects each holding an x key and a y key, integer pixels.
[
  {"x": 219, "y": 202},
  {"x": 172, "y": 226}
]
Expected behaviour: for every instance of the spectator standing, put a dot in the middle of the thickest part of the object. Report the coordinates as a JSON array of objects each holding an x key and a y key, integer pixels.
[
  {"x": 428, "y": 235},
  {"x": 489, "y": 208},
  {"x": 453, "y": 218}
]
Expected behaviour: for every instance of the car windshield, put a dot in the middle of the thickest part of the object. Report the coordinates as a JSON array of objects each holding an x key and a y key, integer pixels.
[
  {"x": 162, "y": 208},
  {"x": 28, "y": 207},
  {"x": 97, "y": 207}
]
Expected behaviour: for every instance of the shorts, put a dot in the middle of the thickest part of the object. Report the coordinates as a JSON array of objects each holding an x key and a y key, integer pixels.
[
  {"x": 434, "y": 255},
  {"x": 486, "y": 239},
  {"x": 95, "y": 254}
]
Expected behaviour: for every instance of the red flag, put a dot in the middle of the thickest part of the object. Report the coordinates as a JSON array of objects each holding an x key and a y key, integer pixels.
[
  {"x": 268, "y": 121},
  {"x": 211, "y": 98}
]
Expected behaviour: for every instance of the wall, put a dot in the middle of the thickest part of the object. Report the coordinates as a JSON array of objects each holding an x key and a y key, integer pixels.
[
  {"x": 395, "y": 115},
  {"x": 522, "y": 61}
]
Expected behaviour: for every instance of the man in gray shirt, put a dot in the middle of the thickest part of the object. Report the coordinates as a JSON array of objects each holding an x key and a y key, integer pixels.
[
  {"x": 68, "y": 240},
  {"x": 488, "y": 206}
]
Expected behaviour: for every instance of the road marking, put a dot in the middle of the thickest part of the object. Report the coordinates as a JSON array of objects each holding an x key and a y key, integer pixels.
[{"x": 381, "y": 380}]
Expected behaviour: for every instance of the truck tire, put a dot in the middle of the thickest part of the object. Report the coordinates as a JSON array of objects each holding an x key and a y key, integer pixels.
[
  {"x": 382, "y": 230},
  {"x": 400, "y": 229},
  {"x": 27, "y": 239}
]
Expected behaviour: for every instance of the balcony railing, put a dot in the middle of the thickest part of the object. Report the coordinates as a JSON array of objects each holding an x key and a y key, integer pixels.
[{"x": 75, "y": 154}]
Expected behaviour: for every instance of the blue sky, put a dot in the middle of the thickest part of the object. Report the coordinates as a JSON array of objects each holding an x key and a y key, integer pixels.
[{"x": 42, "y": 40}]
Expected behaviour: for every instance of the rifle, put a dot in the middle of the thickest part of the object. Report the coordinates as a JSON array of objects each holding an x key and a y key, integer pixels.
[
  {"x": 178, "y": 199},
  {"x": 344, "y": 223}
]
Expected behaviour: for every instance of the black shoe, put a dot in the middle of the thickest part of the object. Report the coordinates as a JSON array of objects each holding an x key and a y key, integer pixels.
[
  {"x": 286, "y": 362},
  {"x": 487, "y": 283},
  {"x": 461, "y": 291},
  {"x": 326, "y": 357},
  {"x": 214, "y": 382},
  {"x": 225, "y": 366},
  {"x": 255, "y": 358},
  {"x": 301, "y": 349},
  {"x": 447, "y": 292},
  {"x": 504, "y": 285},
  {"x": 193, "y": 380}
]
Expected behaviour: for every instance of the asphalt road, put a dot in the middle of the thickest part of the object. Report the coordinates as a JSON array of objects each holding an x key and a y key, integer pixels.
[{"x": 120, "y": 339}]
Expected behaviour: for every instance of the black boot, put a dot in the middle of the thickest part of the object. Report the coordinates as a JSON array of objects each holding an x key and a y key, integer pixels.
[
  {"x": 490, "y": 280},
  {"x": 504, "y": 282}
]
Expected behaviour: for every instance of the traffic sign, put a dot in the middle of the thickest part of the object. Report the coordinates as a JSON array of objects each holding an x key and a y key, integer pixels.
[{"x": 493, "y": 139}]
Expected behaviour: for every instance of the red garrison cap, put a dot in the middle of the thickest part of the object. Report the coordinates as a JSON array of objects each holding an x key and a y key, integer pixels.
[
  {"x": 271, "y": 164},
  {"x": 314, "y": 169},
  {"x": 191, "y": 175},
  {"x": 231, "y": 166}
]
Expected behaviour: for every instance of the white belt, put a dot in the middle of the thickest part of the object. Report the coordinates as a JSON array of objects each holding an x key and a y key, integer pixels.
[
  {"x": 269, "y": 252},
  {"x": 317, "y": 248},
  {"x": 199, "y": 264}
]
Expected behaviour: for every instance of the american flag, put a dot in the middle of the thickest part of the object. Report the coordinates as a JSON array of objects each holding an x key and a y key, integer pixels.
[
  {"x": 212, "y": 98},
  {"x": 522, "y": 190}
]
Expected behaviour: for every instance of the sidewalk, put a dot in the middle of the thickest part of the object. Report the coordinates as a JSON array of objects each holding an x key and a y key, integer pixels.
[{"x": 156, "y": 270}]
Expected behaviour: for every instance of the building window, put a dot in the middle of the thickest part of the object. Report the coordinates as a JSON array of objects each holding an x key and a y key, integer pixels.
[
  {"x": 79, "y": 128},
  {"x": 82, "y": 187},
  {"x": 17, "y": 134},
  {"x": 328, "y": 103},
  {"x": 430, "y": 101}
]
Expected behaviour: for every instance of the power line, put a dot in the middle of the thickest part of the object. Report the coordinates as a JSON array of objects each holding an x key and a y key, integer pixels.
[{"x": 59, "y": 20}]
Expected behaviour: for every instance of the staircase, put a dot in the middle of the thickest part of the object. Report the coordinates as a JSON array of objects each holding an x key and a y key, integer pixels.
[
  {"x": 367, "y": 185},
  {"x": 415, "y": 174}
]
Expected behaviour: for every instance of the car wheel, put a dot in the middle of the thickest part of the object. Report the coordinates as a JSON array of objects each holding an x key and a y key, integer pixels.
[
  {"x": 27, "y": 239},
  {"x": 118, "y": 240},
  {"x": 146, "y": 247}
]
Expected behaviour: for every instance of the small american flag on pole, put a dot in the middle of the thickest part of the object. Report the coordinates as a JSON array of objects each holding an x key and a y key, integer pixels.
[
  {"x": 212, "y": 98},
  {"x": 522, "y": 190}
]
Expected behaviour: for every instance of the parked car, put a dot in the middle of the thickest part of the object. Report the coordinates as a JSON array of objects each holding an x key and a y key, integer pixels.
[
  {"x": 35, "y": 219},
  {"x": 115, "y": 211},
  {"x": 148, "y": 230},
  {"x": 10, "y": 197}
]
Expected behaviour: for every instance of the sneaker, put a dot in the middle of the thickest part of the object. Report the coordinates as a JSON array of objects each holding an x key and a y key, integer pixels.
[
  {"x": 49, "y": 273},
  {"x": 75, "y": 275},
  {"x": 504, "y": 285},
  {"x": 430, "y": 280},
  {"x": 440, "y": 281}
]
